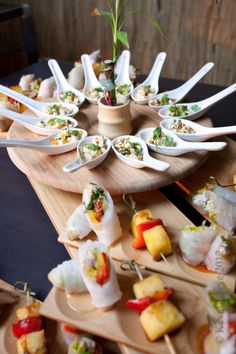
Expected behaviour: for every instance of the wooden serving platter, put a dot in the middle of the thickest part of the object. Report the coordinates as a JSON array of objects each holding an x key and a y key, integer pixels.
[
  {"x": 120, "y": 324},
  {"x": 113, "y": 174}
]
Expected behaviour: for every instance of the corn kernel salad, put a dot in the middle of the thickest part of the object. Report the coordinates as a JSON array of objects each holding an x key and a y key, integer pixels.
[{"x": 67, "y": 136}]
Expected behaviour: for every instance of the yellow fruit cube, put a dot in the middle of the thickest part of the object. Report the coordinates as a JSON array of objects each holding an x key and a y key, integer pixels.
[
  {"x": 148, "y": 286},
  {"x": 161, "y": 318},
  {"x": 139, "y": 217},
  {"x": 28, "y": 311},
  {"x": 32, "y": 343},
  {"x": 157, "y": 242}
]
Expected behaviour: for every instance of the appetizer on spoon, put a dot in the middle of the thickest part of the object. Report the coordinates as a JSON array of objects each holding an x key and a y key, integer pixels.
[
  {"x": 65, "y": 92},
  {"x": 123, "y": 83},
  {"x": 55, "y": 144},
  {"x": 133, "y": 151},
  {"x": 167, "y": 143},
  {"x": 91, "y": 151},
  {"x": 197, "y": 109},
  {"x": 41, "y": 126},
  {"x": 176, "y": 95},
  {"x": 191, "y": 131},
  {"x": 93, "y": 89},
  {"x": 143, "y": 92},
  {"x": 42, "y": 109}
]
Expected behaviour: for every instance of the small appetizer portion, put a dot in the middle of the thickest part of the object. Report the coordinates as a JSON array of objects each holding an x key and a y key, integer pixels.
[
  {"x": 219, "y": 203},
  {"x": 29, "y": 330},
  {"x": 149, "y": 232},
  {"x": 158, "y": 316},
  {"x": 77, "y": 226},
  {"x": 67, "y": 276},
  {"x": 123, "y": 89},
  {"x": 69, "y": 97},
  {"x": 57, "y": 109},
  {"x": 26, "y": 81},
  {"x": 178, "y": 111},
  {"x": 95, "y": 92},
  {"x": 99, "y": 275},
  {"x": 179, "y": 127},
  {"x": 84, "y": 345},
  {"x": 129, "y": 149},
  {"x": 161, "y": 139},
  {"x": 56, "y": 123},
  {"x": 162, "y": 100},
  {"x": 47, "y": 88},
  {"x": 100, "y": 214},
  {"x": 144, "y": 92},
  {"x": 221, "y": 308},
  {"x": 93, "y": 149},
  {"x": 67, "y": 136}
]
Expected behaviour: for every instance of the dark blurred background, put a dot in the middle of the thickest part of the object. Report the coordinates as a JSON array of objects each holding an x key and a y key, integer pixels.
[{"x": 197, "y": 31}]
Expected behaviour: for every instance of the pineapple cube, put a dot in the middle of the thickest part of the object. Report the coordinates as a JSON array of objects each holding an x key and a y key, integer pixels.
[
  {"x": 160, "y": 318},
  {"x": 28, "y": 311},
  {"x": 157, "y": 242},
  {"x": 139, "y": 217},
  {"x": 32, "y": 343},
  {"x": 148, "y": 286}
]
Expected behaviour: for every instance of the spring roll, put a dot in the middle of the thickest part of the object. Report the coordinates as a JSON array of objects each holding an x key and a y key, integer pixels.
[
  {"x": 67, "y": 276},
  {"x": 98, "y": 273},
  {"x": 76, "y": 76},
  {"x": 47, "y": 88},
  {"x": 101, "y": 215},
  {"x": 25, "y": 81},
  {"x": 77, "y": 226}
]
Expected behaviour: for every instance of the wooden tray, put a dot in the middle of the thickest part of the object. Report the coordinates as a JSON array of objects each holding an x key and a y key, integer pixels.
[
  {"x": 122, "y": 325},
  {"x": 116, "y": 176}
]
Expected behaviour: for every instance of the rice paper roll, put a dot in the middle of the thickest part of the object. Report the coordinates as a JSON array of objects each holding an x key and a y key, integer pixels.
[
  {"x": 101, "y": 214},
  {"x": 77, "y": 226},
  {"x": 221, "y": 256},
  {"x": 67, "y": 276},
  {"x": 195, "y": 242},
  {"x": 98, "y": 273},
  {"x": 47, "y": 88},
  {"x": 76, "y": 76},
  {"x": 219, "y": 203},
  {"x": 25, "y": 81}
]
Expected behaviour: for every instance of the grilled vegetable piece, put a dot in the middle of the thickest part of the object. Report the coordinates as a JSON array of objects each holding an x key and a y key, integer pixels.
[
  {"x": 148, "y": 286},
  {"x": 32, "y": 343},
  {"x": 157, "y": 242},
  {"x": 140, "y": 228}
]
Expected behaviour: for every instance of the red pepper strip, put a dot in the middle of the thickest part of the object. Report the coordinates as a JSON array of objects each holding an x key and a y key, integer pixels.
[
  {"x": 72, "y": 330},
  {"x": 141, "y": 304},
  {"x": 103, "y": 269},
  {"x": 10, "y": 100},
  {"x": 140, "y": 228},
  {"x": 28, "y": 325},
  {"x": 232, "y": 327}
]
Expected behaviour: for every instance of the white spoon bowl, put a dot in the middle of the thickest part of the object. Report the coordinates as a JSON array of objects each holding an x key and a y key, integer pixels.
[
  {"x": 152, "y": 80},
  {"x": 34, "y": 123},
  {"x": 79, "y": 162},
  {"x": 147, "y": 161},
  {"x": 62, "y": 84},
  {"x": 197, "y": 109},
  {"x": 39, "y": 107},
  {"x": 179, "y": 93},
  {"x": 200, "y": 133},
  {"x": 45, "y": 145},
  {"x": 123, "y": 74},
  {"x": 90, "y": 79},
  {"x": 181, "y": 147}
]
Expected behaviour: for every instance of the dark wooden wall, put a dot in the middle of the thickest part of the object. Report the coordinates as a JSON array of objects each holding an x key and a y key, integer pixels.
[{"x": 197, "y": 31}]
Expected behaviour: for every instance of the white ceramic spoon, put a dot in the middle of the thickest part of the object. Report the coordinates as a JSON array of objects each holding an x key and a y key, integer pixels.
[
  {"x": 147, "y": 161},
  {"x": 152, "y": 79},
  {"x": 180, "y": 92},
  {"x": 123, "y": 75},
  {"x": 38, "y": 107},
  {"x": 90, "y": 79},
  {"x": 79, "y": 163},
  {"x": 45, "y": 145},
  {"x": 62, "y": 84},
  {"x": 197, "y": 109},
  {"x": 34, "y": 123},
  {"x": 201, "y": 133},
  {"x": 181, "y": 147}
]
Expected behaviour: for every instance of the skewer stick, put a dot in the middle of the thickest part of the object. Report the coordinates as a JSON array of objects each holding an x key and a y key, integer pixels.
[
  {"x": 165, "y": 260},
  {"x": 26, "y": 291}
]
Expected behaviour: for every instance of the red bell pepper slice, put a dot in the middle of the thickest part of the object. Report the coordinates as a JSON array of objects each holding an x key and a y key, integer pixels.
[
  {"x": 103, "y": 269},
  {"x": 140, "y": 228},
  {"x": 10, "y": 100},
  {"x": 71, "y": 329},
  {"x": 232, "y": 327},
  {"x": 141, "y": 304},
  {"x": 28, "y": 325}
]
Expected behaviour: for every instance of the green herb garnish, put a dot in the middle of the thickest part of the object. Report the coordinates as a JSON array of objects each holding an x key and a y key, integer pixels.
[
  {"x": 93, "y": 147},
  {"x": 195, "y": 108},
  {"x": 97, "y": 194},
  {"x": 179, "y": 110}
]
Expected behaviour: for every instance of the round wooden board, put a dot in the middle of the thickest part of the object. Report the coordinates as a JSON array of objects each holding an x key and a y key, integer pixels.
[{"x": 114, "y": 175}]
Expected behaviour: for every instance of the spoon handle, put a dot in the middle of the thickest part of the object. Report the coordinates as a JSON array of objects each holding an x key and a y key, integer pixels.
[
  {"x": 220, "y": 130},
  {"x": 90, "y": 77},
  {"x": 153, "y": 77},
  {"x": 217, "y": 97},
  {"x": 16, "y": 116},
  {"x": 211, "y": 146},
  {"x": 19, "y": 143},
  {"x": 156, "y": 164},
  {"x": 73, "y": 166},
  {"x": 123, "y": 75},
  {"x": 188, "y": 85},
  {"x": 28, "y": 102},
  {"x": 57, "y": 74}
]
